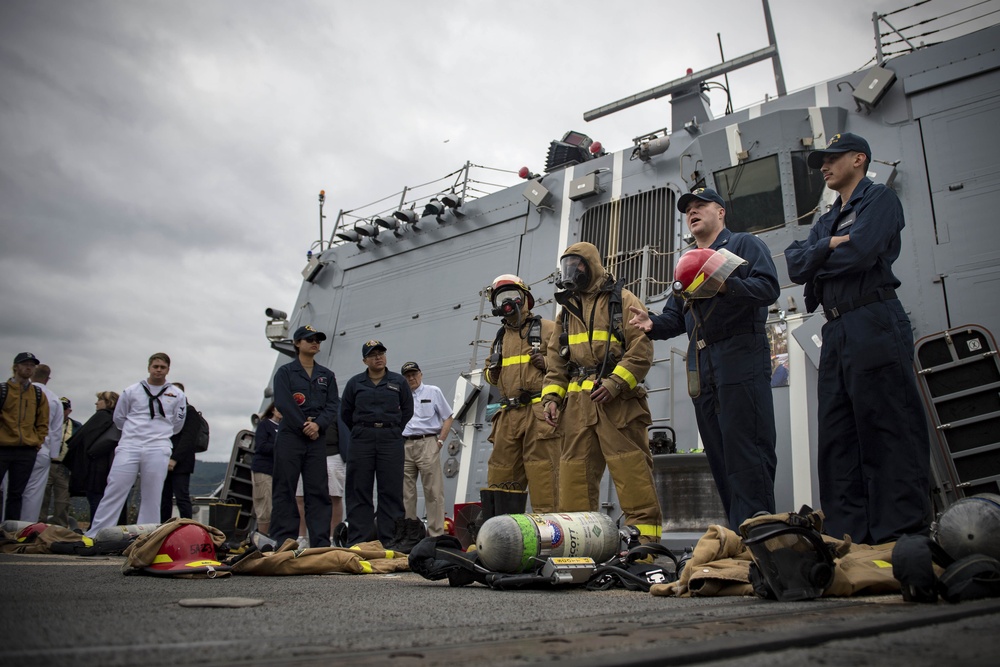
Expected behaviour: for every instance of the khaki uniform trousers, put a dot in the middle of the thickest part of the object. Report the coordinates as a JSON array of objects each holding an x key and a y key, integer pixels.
[
  {"x": 612, "y": 434},
  {"x": 526, "y": 451},
  {"x": 57, "y": 494},
  {"x": 423, "y": 457}
]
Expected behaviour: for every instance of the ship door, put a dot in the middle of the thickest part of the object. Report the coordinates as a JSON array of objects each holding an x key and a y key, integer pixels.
[{"x": 961, "y": 148}]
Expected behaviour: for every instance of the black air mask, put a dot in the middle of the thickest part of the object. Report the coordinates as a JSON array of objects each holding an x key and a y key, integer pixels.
[
  {"x": 791, "y": 559},
  {"x": 573, "y": 274}
]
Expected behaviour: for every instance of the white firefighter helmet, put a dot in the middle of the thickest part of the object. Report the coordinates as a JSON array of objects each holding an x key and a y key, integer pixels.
[{"x": 507, "y": 281}]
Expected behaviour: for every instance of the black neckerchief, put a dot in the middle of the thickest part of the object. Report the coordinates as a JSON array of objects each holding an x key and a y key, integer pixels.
[{"x": 155, "y": 400}]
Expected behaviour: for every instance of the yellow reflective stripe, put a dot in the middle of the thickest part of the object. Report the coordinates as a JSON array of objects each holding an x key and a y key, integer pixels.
[
  {"x": 576, "y": 339},
  {"x": 87, "y": 541},
  {"x": 162, "y": 558},
  {"x": 626, "y": 375},
  {"x": 649, "y": 530},
  {"x": 520, "y": 359},
  {"x": 554, "y": 389},
  {"x": 586, "y": 385},
  {"x": 696, "y": 283},
  {"x": 366, "y": 567}
]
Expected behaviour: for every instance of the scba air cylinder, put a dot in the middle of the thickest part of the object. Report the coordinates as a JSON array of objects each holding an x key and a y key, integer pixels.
[
  {"x": 129, "y": 532},
  {"x": 514, "y": 542}
]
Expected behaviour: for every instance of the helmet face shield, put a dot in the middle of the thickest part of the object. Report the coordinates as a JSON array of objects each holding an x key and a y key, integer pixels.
[{"x": 573, "y": 273}]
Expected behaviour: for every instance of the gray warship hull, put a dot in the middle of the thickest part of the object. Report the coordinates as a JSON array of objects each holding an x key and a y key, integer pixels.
[{"x": 414, "y": 277}]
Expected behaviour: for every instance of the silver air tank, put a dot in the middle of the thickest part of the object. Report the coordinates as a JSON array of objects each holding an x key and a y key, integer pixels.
[
  {"x": 129, "y": 532},
  {"x": 513, "y": 543}
]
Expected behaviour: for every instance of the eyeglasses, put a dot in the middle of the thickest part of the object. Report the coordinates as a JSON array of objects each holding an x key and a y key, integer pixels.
[
  {"x": 312, "y": 339},
  {"x": 376, "y": 354}
]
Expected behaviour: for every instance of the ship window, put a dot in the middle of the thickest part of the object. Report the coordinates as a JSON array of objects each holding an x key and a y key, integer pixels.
[
  {"x": 809, "y": 187},
  {"x": 635, "y": 237},
  {"x": 752, "y": 191}
]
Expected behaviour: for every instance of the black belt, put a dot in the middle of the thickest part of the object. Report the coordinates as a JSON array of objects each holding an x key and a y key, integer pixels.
[
  {"x": 581, "y": 372},
  {"x": 881, "y": 294},
  {"x": 378, "y": 424},
  {"x": 715, "y": 337},
  {"x": 421, "y": 437},
  {"x": 518, "y": 401}
]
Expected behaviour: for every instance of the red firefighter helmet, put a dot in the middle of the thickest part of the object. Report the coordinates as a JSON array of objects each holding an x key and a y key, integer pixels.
[
  {"x": 701, "y": 272},
  {"x": 509, "y": 280},
  {"x": 187, "y": 550},
  {"x": 28, "y": 533}
]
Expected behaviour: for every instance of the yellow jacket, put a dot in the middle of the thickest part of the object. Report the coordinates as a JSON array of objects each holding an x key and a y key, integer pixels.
[{"x": 23, "y": 420}]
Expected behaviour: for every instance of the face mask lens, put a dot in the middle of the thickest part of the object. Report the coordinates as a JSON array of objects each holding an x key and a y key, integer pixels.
[
  {"x": 573, "y": 271},
  {"x": 507, "y": 301}
]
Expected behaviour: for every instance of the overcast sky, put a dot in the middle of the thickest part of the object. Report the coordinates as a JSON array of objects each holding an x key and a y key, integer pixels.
[{"x": 160, "y": 161}]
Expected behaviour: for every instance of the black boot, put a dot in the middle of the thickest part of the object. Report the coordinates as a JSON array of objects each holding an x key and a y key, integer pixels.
[
  {"x": 488, "y": 499},
  {"x": 413, "y": 532},
  {"x": 398, "y": 535},
  {"x": 511, "y": 501}
]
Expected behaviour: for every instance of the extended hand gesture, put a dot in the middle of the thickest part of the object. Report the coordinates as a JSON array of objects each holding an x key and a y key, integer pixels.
[{"x": 640, "y": 319}]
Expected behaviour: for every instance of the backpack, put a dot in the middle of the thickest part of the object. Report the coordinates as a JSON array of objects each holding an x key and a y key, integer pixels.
[{"x": 203, "y": 436}]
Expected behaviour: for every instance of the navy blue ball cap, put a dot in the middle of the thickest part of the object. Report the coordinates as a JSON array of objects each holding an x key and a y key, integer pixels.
[
  {"x": 408, "y": 367},
  {"x": 370, "y": 347},
  {"x": 840, "y": 143},
  {"x": 704, "y": 194},
  {"x": 22, "y": 357},
  {"x": 308, "y": 332}
]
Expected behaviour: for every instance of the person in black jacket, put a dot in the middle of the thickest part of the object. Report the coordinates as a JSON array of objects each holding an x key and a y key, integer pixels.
[
  {"x": 306, "y": 395},
  {"x": 177, "y": 484},
  {"x": 89, "y": 454},
  {"x": 262, "y": 466}
]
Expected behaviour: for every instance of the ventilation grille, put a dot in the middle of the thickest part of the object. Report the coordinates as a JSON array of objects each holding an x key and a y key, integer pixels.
[{"x": 634, "y": 236}]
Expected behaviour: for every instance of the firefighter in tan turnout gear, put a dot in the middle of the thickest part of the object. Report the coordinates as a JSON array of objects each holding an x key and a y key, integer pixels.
[
  {"x": 593, "y": 375},
  {"x": 525, "y": 447}
]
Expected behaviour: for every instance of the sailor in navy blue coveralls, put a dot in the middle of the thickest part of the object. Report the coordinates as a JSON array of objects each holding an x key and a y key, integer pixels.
[
  {"x": 300, "y": 449},
  {"x": 874, "y": 453},
  {"x": 735, "y": 410},
  {"x": 377, "y": 404}
]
